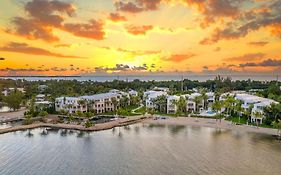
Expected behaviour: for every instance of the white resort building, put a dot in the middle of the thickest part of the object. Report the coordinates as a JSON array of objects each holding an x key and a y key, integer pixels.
[
  {"x": 99, "y": 103},
  {"x": 257, "y": 103},
  {"x": 150, "y": 96},
  {"x": 171, "y": 103}
]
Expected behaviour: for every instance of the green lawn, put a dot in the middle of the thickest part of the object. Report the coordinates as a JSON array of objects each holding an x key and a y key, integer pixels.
[
  {"x": 140, "y": 110},
  {"x": 243, "y": 120}
]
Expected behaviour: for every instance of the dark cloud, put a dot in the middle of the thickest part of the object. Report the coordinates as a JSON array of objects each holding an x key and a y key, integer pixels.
[
  {"x": 205, "y": 67},
  {"x": 139, "y": 30},
  {"x": 32, "y": 29},
  {"x": 136, "y": 6},
  {"x": 265, "y": 63},
  {"x": 215, "y": 9},
  {"x": 178, "y": 57},
  {"x": 49, "y": 12},
  {"x": 26, "y": 49},
  {"x": 258, "y": 43},
  {"x": 46, "y": 15},
  {"x": 246, "y": 57},
  {"x": 116, "y": 17},
  {"x": 2, "y": 59},
  {"x": 248, "y": 21},
  {"x": 93, "y": 29},
  {"x": 121, "y": 68},
  {"x": 32, "y": 70}
]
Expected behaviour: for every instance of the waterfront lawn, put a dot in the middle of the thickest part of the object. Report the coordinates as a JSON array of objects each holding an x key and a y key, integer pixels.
[
  {"x": 235, "y": 119},
  {"x": 141, "y": 110},
  {"x": 127, "y": 111}
]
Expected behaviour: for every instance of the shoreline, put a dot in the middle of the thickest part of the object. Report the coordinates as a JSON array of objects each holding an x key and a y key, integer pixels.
[
  {"x": 211, "y": 123},
  {"x": 186, "y": 121},
  {"x": 97, "y": 127}
]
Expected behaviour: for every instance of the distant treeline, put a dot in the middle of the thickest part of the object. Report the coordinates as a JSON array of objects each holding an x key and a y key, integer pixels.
[{"x": 270, "y": 89}]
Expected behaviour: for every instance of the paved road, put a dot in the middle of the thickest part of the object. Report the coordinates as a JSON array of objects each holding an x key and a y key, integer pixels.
[{"x": 8, "y": 116}]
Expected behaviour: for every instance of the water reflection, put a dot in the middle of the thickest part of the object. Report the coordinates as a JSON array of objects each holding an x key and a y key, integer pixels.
[
  {"x": 175, "y": 129},
  {"x": 63, "y": 132},
  {"x": 139, "y": 149},
  {"x": 137, "y": 129},
  {"x": 44, "y": 132},
  {"x": 29, "y": 133}
]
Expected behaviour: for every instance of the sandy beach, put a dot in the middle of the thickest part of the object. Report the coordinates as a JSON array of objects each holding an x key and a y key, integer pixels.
[{"x": 206, "y": 122}]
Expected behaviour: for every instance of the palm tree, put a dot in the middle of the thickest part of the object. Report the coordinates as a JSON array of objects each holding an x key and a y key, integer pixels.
[
  {"x": 229, "y": 104},
  {"x": 273, "y": 112},
  {"x": 238, "y": 108},
  {"x": 217, "y": 95},
  {"x": 277, "y": 125},
  {"x": 197, "y": 100},
  {"x": 175, "y": 104},
  {"x": 181, "y": 105},
  {"x": 248, "y": 111},
  {"x": 205, "y": 98},
  {"x": 161, "y": 103},
  {"x": 81, "y": 103},
  {"x": 258, "y": 115},
  {"x": 114, "y": 102},
  {"x": 217, "y": 105},
  {"x": 151, "y": 111}
]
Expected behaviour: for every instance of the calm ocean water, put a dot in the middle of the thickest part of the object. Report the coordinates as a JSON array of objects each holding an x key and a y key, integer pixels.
[
  {"x": 139, "y": 149},
  {"x": 148, "y": 77}
]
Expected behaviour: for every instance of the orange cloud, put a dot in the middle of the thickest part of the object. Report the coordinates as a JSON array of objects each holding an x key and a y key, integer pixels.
[
  {"x": 179, "y": 57},
  {"x": 276, "y": 29},
  {"x": 246, "y": 57},
  {"x": 93, "y": 29},
  {"x": 26, "y": 49},
  {"x": 137, "y": 6},
  {"x": 258, "y": 43},
  {"x": 139, "y": 30}
]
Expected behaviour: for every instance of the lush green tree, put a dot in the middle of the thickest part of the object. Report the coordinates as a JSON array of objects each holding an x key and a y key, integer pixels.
[
  {"x": 88, "y": 124},
  {"x": 217, "y": 105},
  {"x": 115, "y": 103},
  {"x": 181, "y": 105},
  {"x": 161, "y": 103},
  {"x": 238, "y": 108},
  {"x": 43, "y": 113},
  {"x": 197, "y": 100},
  {"x": 151, "y": 111},
  {"x": 27, "y": 120},
  {"x": 259, "y": 116},
  {"x": 14, "y": 99},
  {"x": 248, "y": 111},
  {"x": 229, "y": 103},
  {"x": 277, "y": 125},
  {"x": 272, "y": 113},
  {"x": 79, "y": 113},
  {"x": 204, "y": 98}
]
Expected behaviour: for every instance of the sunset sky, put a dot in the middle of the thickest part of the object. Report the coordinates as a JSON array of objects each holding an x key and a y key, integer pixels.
[{"x": 88, "y": 37}]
